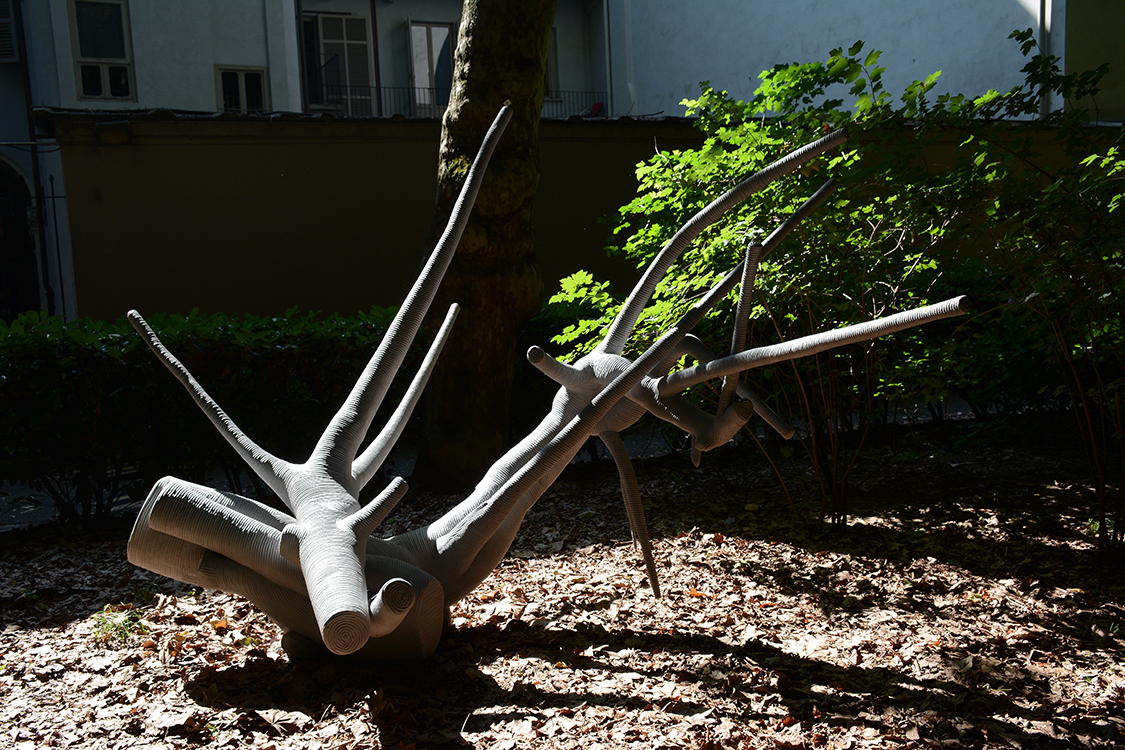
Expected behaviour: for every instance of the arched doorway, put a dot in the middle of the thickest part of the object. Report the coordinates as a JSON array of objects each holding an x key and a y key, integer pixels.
[{"x": 19, "y": 275}]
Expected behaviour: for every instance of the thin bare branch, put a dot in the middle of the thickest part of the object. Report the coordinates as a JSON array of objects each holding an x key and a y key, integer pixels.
[{"x": 263, "y": 463}]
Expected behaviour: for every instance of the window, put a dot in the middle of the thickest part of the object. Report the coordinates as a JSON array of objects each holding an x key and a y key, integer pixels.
[
  {"x": 103, "y": 46},
  {"x": 242, "y": 89},
  {"x": 338, "y": 63},
  {"x": 431, "y": 49}
]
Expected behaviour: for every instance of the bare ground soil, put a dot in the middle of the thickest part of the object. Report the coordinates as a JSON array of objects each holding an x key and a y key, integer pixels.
[{"x": 961, "y": 608}]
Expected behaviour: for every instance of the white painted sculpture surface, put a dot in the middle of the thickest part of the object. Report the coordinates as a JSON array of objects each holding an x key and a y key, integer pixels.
[{"x": 319, "y": 572}]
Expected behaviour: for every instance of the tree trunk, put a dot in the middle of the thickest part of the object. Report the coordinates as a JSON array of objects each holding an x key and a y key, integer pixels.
[{"x": 501, "y": 56}]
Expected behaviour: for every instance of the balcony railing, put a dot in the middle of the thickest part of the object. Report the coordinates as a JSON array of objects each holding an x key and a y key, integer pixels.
[{"x": 388, "y": 101}]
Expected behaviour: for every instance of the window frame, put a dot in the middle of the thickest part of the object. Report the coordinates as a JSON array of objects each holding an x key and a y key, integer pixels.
[
  {"x": 420, "y": 95},
  {"x": 345, "y": 94},
  {"x": 242, "y": 70},
  {"x": 104, "y": 64}
]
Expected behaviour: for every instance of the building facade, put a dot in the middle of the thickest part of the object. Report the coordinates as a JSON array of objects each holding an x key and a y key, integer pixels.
[
  {"x": 252, "y": 61},
  {"x": 661, "y": 49}
]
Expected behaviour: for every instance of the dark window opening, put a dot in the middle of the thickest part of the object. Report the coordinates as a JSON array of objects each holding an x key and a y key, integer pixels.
[{"x": 91, "y": 80}]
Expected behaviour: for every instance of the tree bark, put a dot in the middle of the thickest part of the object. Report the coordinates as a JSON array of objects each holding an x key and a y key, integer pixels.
[{"x": 501, "y": 56}]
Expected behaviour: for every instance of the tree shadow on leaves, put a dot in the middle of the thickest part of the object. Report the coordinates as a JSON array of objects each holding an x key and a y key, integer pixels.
[
  {"x": 433, "y": 702},
  {"x": 746, "y": 680}
]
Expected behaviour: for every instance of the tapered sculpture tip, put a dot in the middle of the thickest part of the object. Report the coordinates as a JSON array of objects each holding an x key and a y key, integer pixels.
[{"x": 139, "y": 324}]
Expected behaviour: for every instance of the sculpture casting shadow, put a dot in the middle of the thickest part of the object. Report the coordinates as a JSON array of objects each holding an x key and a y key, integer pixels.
[
  {"x": 437, "y": 701},
  {"x": 318, "y": 571}
]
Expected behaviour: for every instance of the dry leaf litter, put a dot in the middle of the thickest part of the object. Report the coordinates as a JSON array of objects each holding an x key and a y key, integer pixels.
[{"x": 963, "y": 610}]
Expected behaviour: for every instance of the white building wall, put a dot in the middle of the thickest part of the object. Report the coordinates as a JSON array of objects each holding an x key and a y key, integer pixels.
[
  {"x": 39, "y": 20},
  {"x": 674, "y": 45},
  {"x": 53, "y": 65},
  {"x": 176, "y": 46},
  {"x": 237, "y": 33},
  {"x": 283, "y": 54},
  {"x": 172, "y": 56}
]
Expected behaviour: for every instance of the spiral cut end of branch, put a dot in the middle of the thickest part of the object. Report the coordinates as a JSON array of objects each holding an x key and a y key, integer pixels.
[
  {"x": 397, "y": 595},
  {"x": 346, "y": 632},
  {"x": 337, "y": 586},
  {"x": 744, "y": 410},
  {"x": 390, "y": 606}
]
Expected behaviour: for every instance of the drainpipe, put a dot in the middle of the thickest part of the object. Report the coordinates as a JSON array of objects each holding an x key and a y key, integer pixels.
[
  {"x": 36, "y": 175},
  {"x": 1045, "y": 12},
  {"x": 608, "y": 59},
  {"x": 629, "y": 58},
  {"x": 302, "y": 71},
  {"x": 375, "y": 58}
]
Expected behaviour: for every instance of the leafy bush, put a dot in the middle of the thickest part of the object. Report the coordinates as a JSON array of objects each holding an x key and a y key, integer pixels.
[
  {"x": 94, "y": 416},
  {"x": 938, "y": 196}
]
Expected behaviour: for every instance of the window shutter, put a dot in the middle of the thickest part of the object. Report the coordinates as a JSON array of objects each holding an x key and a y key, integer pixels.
[
  {"x": 358, "y": 58},
  {"x": 8, "y": 50}
]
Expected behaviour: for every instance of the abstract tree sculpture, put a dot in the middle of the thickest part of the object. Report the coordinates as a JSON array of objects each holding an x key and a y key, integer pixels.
[{"x": 318, "y": 571}]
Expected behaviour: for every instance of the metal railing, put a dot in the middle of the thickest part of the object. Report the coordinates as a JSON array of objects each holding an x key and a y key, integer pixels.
[
  {"x": 408, "y": 101},
  {"x": 560, "y": 105}
]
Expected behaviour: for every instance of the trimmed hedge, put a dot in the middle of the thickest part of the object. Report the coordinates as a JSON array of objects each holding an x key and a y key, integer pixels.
[{"x": 93, "y": 416}]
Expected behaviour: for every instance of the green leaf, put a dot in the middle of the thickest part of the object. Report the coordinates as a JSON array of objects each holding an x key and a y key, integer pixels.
[{"x": 986, "y": 98}]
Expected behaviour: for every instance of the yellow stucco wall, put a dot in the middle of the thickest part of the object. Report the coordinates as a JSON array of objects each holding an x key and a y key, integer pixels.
[
  {"x": 254, "y": 216},
  {"x": 1088, "y": 45}
]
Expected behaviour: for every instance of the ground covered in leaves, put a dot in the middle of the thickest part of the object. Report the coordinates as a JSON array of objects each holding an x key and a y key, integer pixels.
[{"x": 962, "y": 608}]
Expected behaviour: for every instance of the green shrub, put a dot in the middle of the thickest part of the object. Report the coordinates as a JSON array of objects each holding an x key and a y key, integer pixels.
[
  {"x": 93, "y": 416},
  {"x": 938, "y": 196}
]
